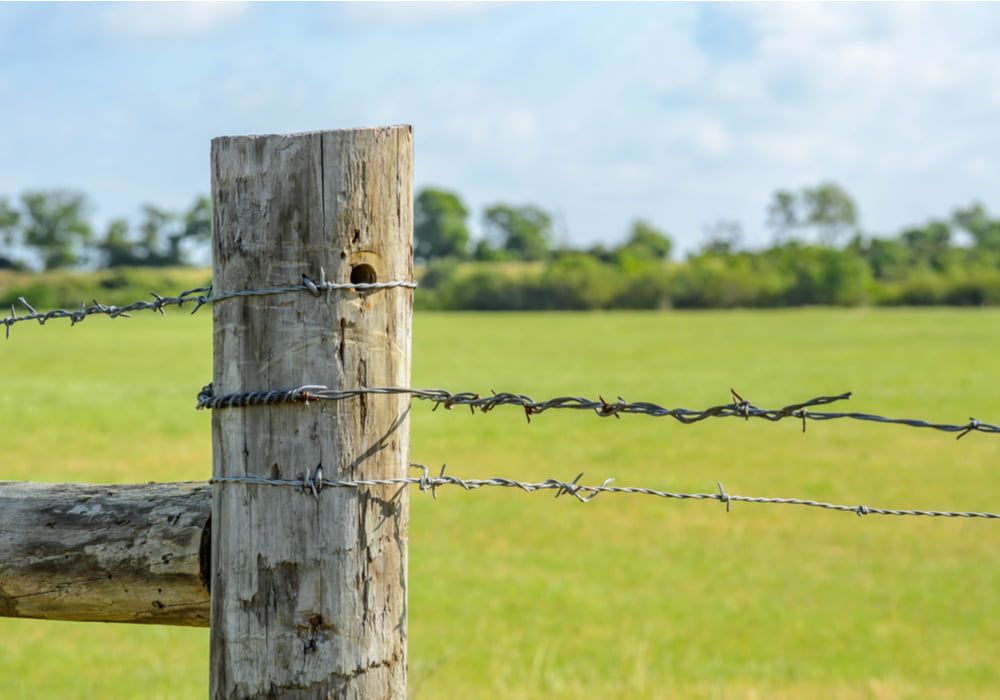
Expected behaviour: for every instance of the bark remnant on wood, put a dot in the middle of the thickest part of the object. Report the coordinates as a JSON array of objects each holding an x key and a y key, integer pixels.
[{"x": 105, "y": 553}]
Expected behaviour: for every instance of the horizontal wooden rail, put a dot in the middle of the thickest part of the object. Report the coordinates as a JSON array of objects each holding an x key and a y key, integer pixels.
[{"x": 115, "y": 553}]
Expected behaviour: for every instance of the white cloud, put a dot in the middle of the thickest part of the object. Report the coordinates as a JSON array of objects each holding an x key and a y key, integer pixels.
[
  {"x": 712, "y": 138},
  {"x": 893, "y": 99},
  {"x": 981, "y": 168},
  {"x": 632, "y": 174},
  {"x": 507, "y": 135},
  {"x": 603, "y": 111},
  {"x": 169, "y": 19},
  {"x": 411, "y": 14}
]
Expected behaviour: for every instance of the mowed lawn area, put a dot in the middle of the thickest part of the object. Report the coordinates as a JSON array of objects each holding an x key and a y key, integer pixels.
[{"x": 522, "y": 596}]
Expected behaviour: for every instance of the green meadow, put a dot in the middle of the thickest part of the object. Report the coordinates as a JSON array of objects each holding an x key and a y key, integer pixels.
[{"x": 516, "y": 595}]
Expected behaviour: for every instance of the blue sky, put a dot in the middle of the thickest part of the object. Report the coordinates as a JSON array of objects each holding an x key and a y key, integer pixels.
[{"x": 681, "y": 114}]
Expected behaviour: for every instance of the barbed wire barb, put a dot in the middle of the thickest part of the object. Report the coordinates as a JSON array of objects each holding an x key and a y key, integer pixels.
[
  {"x": 723, "y": 496},
  {"x": 739, "y": 408},
  {"x": 314, "y": 483}
]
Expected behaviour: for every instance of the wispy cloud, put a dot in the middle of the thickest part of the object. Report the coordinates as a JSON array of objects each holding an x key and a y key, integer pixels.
[
  {"x": 143, "y": 20},
  {"x": 411, "y": 14},
  {"x": 679, "y": 113}
]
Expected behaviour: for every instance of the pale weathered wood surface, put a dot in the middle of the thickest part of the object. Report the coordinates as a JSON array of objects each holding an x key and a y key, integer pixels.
[
  {"x": 309, "y": 595},
  {"x": 135, "y": 553}
]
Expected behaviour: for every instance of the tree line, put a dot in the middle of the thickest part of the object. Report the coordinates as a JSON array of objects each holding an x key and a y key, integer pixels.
[
  {"x": 819, "y": 254},
  {"x": 51, "y": 230}
]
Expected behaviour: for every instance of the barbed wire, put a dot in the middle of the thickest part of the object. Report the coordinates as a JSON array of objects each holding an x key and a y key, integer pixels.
[
  {"x": 738, "y": 408},
  {"x": 198, "y": 297},
  {"x": 314, "y": 483}
]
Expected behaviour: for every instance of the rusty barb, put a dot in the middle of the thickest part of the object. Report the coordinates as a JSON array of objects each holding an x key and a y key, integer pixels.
[
  {"x": 313, "y": 483},
  {"x": 738, "y": 408},
  {"x": 196, "y": 298}
]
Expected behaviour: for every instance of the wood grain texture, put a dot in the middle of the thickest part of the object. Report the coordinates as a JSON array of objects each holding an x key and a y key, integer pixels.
[
  {"x": 309, "y": 594},
  {"x": 136, "y": 553}
]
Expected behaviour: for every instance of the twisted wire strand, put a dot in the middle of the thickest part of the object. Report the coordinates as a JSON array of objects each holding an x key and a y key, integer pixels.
[
  {"x": 738, "y": 408},
  {"x": 198, "y": 297},
  {"x": 314, "y": 483}
]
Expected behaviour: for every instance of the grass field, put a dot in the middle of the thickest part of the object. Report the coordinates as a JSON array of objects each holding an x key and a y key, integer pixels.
[{"x": 515, "y": 595}]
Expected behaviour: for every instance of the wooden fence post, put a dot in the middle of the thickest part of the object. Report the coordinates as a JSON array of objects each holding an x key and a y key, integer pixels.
[
  {"x": 106, "y": 553},
  {"x": 309, "y": 593}
]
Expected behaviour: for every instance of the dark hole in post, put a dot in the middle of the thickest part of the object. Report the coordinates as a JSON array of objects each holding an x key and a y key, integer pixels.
[{"x": 363, "y": 274}]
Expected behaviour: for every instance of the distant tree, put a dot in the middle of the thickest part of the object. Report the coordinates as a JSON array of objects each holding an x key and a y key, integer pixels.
[
  {"x": 831, "y": 211},
  {"x": 889, "y": 258},
  {"x": 438, "y": 273},
  {"x": 820, "y": 275},
  {"x": 159, "y": 237},
  {"x": 116, "y": 246},
  {"x": 154, "y": 231},
  {"x": 525, "y": 232},
  {"x": 723, "y": 237},
  {"x": 193, "y": 226},
  {"x": 9, "y": 218},
  {"x": 439, "y": 225},
  {"x": 929, "y": 245},
  {"x": 54, "y": 224},
  {"x": 783, "y": 214},
  {"x": 198, "y": 220},
  {"x": 827, "y": 209},
  {"x": 483, "y": 251},
  {"x": 578, "y": 281},
  {"x": 975, "y": 220},
  {"x": 602, "y": 252},
  {"x": 645, "y": 240},
  {"x": 147, "y": 249}
]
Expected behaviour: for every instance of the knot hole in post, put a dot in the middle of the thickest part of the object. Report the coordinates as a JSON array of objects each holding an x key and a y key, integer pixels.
[{"x": 363, "y": 273}]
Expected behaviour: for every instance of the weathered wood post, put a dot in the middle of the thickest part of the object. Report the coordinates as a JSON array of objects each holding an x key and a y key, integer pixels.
[
  {"x": 106, "y": 553},
  {"x": 309, "y": 594}
]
